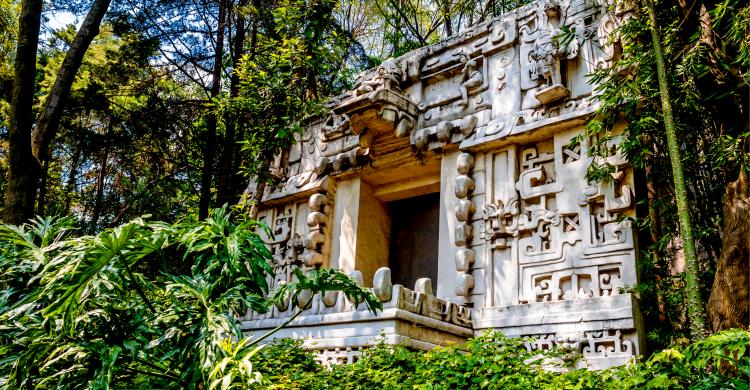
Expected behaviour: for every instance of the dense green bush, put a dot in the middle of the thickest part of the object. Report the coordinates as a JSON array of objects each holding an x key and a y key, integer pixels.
[
  {"x": 493, "y": 361},
  {"x": 76, "y": 313}
]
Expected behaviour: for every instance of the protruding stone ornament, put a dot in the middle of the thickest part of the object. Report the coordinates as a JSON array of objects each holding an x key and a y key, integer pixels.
[
  {"x": 382, "y": 286},
  {"x": 464, "y": 185},
  {"x": 463, "y": 234},
  {"x": 420, "y": 139},
  {"x": 464, "y": 283},
  {"x": 316, "y": 218},
  {"x": 358, "y": 278},
  {"x": 464, "y": 163},
  {"x": 312, "y": 259},
  {"x": 464, "y": 259},
  {"x": 318, "y": 201},
  {"x": 321, "y": 165},
  {"x": 552, "y": 94},
  {"x": 314, "y": 240},
  {"x": 424, "y": 286},
  {"x": 329, "y": 298},
  {"x": 443, "y": 131},
  {"x": 464, "y": 210},
  {"x": 304, "y": 299},
  {"x": 468, "y": 125}
]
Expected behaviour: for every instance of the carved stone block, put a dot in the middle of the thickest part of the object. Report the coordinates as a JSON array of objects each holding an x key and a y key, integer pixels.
[
  {"x": 382, "y": 286},
  {"x": 464, "y": 284},
  {"x": 552, "y": 94},
  {"x": 423, "y": 286}
]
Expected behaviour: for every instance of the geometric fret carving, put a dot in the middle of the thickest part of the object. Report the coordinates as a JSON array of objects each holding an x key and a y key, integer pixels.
[{"x": 568, "y": 237}]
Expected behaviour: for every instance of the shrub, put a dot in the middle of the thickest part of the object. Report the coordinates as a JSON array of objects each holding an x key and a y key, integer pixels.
[
  {"x": 75, "y": 313},
  {"x": 492, "y": 361}
]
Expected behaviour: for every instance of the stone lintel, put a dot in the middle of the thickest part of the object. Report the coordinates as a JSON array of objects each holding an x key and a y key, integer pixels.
[
  {"x": 290, "y": 192},
  {"x": 516, "y": 134},
  {"x": 552, "y": 94}
]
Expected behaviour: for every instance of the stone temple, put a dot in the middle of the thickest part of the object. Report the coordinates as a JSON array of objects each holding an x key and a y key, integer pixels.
[{"x": 452, "y": 182}]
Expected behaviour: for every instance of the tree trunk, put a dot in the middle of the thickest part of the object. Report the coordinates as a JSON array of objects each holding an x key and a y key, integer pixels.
[
  {"x": 448, "y": 25},
  {"x": 48, "y": 122},
  {"x": 696, "y": 312},
  {"x": 70, "y": 183},
  {"x": 655, "y": 230},
  {"x": 238, "y": 154},
  {"x": 260, "y": 188},
  {"x": 99, "y": 199},
  {"x": 729, "y": 303},
  {"x": 44, "y": 173},
  {"x": 210, "y": 138},
  {"x": 22, "y": 167},
  {"x": 227, "y": 172}
]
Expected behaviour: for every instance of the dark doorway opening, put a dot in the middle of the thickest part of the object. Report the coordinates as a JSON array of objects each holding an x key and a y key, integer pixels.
[{"x": 413, "y": 252}]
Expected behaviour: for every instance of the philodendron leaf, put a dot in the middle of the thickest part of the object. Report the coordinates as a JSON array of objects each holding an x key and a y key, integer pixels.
[
  {"x": 89, "y": 258},
  {"x": 327, "y": 279}
]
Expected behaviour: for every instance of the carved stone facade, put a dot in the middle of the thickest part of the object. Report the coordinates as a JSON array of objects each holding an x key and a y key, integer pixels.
[{"x": 492, "y": 120}]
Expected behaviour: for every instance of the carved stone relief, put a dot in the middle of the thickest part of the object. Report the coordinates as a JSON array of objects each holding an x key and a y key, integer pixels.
[
  {"x": 593, "y": 346},
  {"x": 345, "y": 355},
  {"x": 285, "y": 243},
  {"x": 378, "y": 104},
  {"x": 607, "y": 31},
  {"x": 548, "y": 52},
  {"x": 315, "y": 242},
  {"x": 565, "y": 234},
  {"x": 420, "y": 301},
  {"x": 464, "y": 210},
  {"x": 515, "y": 72}
]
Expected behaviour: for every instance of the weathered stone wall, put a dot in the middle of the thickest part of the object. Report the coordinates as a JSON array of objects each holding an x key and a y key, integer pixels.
[{"x": 491, "y": 120}]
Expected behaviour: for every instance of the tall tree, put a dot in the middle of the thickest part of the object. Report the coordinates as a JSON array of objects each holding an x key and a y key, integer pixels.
[
  {"x": 48, "y": 122},
  {"x": 694, "y": 302},
  {"x": 27, "y": 153},
  {"x": 23, "y": 168},
  {"x": 211, "y": 121},
  {"x": 729, "y": 302},
  {"x": 228, "y": 165}
]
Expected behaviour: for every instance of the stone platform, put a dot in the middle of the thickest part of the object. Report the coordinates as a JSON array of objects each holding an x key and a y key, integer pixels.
[{"x": 338, "y": 331}]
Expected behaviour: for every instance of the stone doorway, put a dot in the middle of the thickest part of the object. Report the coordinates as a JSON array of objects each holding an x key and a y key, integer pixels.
[{"x": 413, "y": 251}]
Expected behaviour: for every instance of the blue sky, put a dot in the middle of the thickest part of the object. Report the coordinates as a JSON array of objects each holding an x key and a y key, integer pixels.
[{"x": 58, "y": 19}]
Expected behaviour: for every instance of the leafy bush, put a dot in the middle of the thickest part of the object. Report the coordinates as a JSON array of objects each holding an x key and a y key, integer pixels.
[
  {"x": 492, "y": 361},
  {"x": 74, "y": 313}
]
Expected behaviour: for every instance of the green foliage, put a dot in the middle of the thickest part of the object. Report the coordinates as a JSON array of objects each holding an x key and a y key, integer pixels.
[
  {"x": 284, "y": 363},
  {"x": 234, "y": 370},
  {"x": 492, "y": 361},
  {"x": 707, "y": 77},
  {"x": 122, "y": 112},
  {"x": 284, "y": 78},
  {"x": 326, "y": 279},
  {"x": 75, "y": 312},
  {"x": 8, "y": 35}
]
